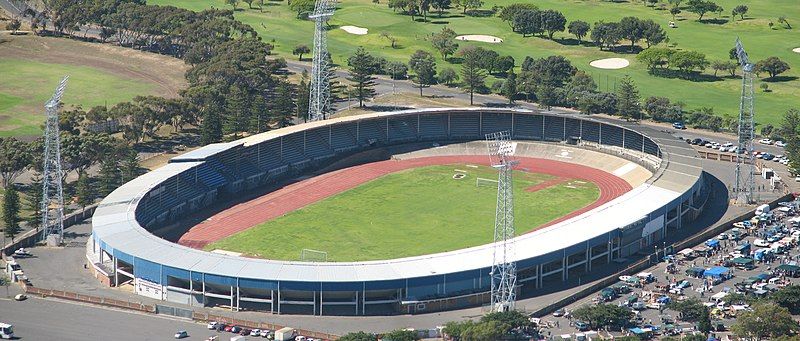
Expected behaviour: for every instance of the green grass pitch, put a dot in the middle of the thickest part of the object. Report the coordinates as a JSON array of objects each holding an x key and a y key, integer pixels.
[{"x": 409, "y": 213}]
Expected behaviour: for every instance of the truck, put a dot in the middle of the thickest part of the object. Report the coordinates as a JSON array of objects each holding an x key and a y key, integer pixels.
[
  {"x": 6, "y": 331},
  {"x": 285, "y": 334}
]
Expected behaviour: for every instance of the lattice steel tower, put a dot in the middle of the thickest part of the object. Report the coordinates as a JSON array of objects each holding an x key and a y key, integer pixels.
[
  {"x": 504, "y": 270},
  {"x": 320, "y": 93},
  {"x": 52, "y": 191},
  {"x": 744, "y": 190}
]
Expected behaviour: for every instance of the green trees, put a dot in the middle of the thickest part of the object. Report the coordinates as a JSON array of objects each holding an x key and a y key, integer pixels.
[
  {"x": 772, "y": 65},
  {"x": 473, "y": 76},
  {"x": 424, "y": 66},
  {"x": 444, "y": 42},
  {"x": 301, "y": 6},
  {"x": 15, "y": 156},
  {"x": 660, "y": 109},
  {"x": 628, "y": 105},
  {"x": 468, "y": 4},
  {"x": 688, "y": 61},
  {"x": 766, "y": 320},
  {"x": 359, "y": 336},
  {"x": 579, "y": 29},
  {"x": 602, "y": 315},
  {"x": 362, "y": 68},
  {"x": 84, "y": 191},
  {"x": 34, "y": 201},
  {"x": 508, "y": 13},
  {"x": 509, "y": 89},
  {"x": 606, "y": 34},
  {"x": 630, "y": 28},
  {"x": 492, "y": 326},
  {"x": 11, "y": 213},
  {"x": 739, "y": 10},
  {"x": 652, "y": 32},
  {"x": 448, "y": 76},
  {"x": 300, "y": 50},
  {"x": 527, "y": 22},
  {"x": 439, "y": 6},
  {"x": 552, "y": 21},
  {"x": 701, "y": 7},
  {"x": 655, "y": 57},
  {"x": 790, "y": 131},
  {"x": 400, "y": 335}
]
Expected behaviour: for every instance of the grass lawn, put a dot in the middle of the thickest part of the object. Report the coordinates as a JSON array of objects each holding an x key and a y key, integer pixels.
[
  {"x": 278, "y": 24},
  {"x": 31, "y": 67},
  {"x": 414, "y": 212}
]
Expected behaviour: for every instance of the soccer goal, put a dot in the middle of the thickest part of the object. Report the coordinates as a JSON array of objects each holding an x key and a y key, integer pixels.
[
  {"x": 309, "y": 255},
  {"x": 485, "y": 182}
]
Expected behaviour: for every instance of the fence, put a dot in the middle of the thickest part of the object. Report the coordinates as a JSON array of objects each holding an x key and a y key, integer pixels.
[
  {"x": 31, "y": 237},
  {"x": 645, "y": 263},
  {"x": 104, "y": 301}
]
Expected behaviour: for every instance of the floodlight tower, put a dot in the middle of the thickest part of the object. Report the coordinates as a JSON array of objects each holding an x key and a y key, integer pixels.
[
  {"x": 320, "y": 93},
  {"x": 744, "y": 190},
  {"x": 52, "y": 190},
  {"x": 504, "y": 270}
]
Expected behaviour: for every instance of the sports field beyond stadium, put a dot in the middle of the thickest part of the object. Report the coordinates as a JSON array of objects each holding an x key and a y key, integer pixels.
[{"x": 394, "y": 209}]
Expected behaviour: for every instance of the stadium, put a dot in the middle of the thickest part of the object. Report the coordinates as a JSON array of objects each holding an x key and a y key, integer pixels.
[{"x": 152, "y": 230}]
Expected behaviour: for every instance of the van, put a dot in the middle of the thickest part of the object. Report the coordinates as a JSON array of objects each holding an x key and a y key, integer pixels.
[
  {"x": 763, "y": 209},
  {"x": 6, "y": 331}
]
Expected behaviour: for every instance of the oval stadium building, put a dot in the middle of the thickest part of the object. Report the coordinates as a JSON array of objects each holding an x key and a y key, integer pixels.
[{"x": 129, "y": 242}]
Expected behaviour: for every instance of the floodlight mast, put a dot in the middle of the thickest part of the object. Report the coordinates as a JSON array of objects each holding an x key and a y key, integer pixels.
[
  {"x": 52, "y": 208},
  {"x": 744, "y": 187},
  {"x": 320, "y": 92},
  {"x": 504, "y": 270}
]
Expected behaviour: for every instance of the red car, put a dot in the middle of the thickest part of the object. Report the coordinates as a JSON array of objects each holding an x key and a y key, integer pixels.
[{"x": 228, "y": 327}]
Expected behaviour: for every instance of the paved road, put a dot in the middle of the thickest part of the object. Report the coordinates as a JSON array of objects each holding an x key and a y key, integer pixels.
[{"x": 45, "y": 319}]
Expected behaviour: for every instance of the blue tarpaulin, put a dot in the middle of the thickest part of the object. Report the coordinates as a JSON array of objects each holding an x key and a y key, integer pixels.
[
  {"x": 717, "y": 271},
  {"x": 637, "y": 331},
  {"x": 712, "y": 243}
]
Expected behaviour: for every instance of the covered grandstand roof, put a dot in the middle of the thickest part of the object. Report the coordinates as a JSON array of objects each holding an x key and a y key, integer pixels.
[{"x": 115, "y": 224}]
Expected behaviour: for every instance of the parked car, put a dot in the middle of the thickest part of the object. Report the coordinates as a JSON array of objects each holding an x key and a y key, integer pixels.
[
  {"x": 780, "y": 144},
  {"x": 213, "y": 325},
  {"x": 244, "y": 332},
  {"x": 765, "y": 141},
  {"x": 679, "y": 125},
  {"x": 236, "y": 329},
  {"x": 767, "y": 156},
  {"x": 559, "y": 312},
  {"x": 581, "y": 326},
  {"x": 761, "y": 243},
  {"x": 181, "y": 334},
  {"x": 228, "y": 327},
  {"x": 255, "y": 332}
]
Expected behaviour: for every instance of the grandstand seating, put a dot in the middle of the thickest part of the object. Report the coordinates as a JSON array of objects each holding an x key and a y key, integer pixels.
[
  {"x": 465, "y": 126},
  {"x": 553, "y": 128},
  {"x": 528, "y": 127},
  {"x": 317, "y": 143},
  {"x": 632, "y": 140},
  {"x": 268, "y": 154},
  {"x": 492, "y": 123},
  {"x": 572, "y": 128},
  {"x": 611, "y": 135},
  {"x": 372, "y": 130},
  {"x": 209, "y": 176},
  {"x": 403, "y": 128},
  {"x": 591, "y": 131},
  {"x": 343, "y": 136},
  {"x": 292, "y": 149},
  {"x": 432, "y": 126}
]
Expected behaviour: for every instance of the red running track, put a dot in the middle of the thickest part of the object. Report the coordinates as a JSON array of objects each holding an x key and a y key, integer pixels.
[{"x": 298, "y": 195}]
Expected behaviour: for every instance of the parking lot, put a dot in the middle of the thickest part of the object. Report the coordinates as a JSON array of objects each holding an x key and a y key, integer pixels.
[{"x": 728, "y": 263}]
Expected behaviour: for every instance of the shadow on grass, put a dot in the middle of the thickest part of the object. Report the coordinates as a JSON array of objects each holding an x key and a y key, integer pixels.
[
  {"x": 692, "y": 76},
  {"x": 440, "y": 22},
  {"x": 715, "y": 21},
  {"x": 574, "y": 42},
  {"x": 778, "y": 79},
  {"x": 480, "y": 13}
]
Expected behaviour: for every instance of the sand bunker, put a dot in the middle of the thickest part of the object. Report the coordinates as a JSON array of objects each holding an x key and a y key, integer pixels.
[
  {"x": 481, "y": 38},
  {"x": 796, "y": 50},
  {"x": 355, "y": 30},
  {"x": 610, "y": 63}
]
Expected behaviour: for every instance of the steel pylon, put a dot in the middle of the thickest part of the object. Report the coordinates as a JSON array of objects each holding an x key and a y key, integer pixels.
[
  {"x": 320, "y": 92},
  {"x": 52, "y": 189},
  {"x": 504, "y": 269},
  {"x": 744, "y": 191}
]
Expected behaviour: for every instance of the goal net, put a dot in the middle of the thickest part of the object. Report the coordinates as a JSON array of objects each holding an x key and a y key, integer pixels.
[
  {"x": 485, "y": 182},
  {"x": 309, "y": 255}
]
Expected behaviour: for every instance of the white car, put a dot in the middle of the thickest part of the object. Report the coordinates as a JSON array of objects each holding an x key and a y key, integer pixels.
[
  {"x": 761, "y": 243},
  {"x": 255, "y": 332},
  {"x": 727, "y": 144},
  {"x": 213, "y": 325},
  {"x": 765, "y": 141},
  {"x": 780, "y": 144}
]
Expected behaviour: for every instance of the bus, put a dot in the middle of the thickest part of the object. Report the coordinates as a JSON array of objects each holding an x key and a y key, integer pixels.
[{"x": 6, "y": 331}]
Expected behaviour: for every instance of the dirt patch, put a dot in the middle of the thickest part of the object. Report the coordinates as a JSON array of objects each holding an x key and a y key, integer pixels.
[{"x": 165, "y": 72}]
